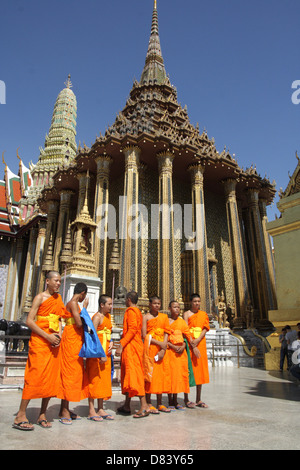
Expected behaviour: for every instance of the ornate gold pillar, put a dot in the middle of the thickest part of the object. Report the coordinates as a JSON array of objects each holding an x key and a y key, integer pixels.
[
  {"x": 129, "y": 220},
  {"x": 37, "y": 265},
  {"x": 11, "y": 306},
  {"x": 29, "y": 268},
  {"x": 82, "y": 177},
  {"x": 187, "y": 276},
  {"x": 237, "y": 252},
  {"x": 62, "y": 224},
  {"x": 143, "y": 240},
  {"x": 167, "y": 275},
  {"x": 262, "y": 291},
  {"x": 52, "y": 213},
  {"x": 101, "y": 217},
  {"x": 200, "y": 252},
  {"x": 269, "y": 253}
]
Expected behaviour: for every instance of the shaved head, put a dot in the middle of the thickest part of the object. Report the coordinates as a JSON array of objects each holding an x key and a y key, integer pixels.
[
  {"x": 53, "y": 281},
  {"x": 50, "y": 274}
]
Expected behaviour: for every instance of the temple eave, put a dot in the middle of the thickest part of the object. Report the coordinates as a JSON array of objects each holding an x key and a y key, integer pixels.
[{"x": 217, "y": 169}]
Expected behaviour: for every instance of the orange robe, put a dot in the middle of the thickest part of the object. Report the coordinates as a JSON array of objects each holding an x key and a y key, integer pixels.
[
  {"x": 179, "y": 362},
  {"x": 161, "y": 377},
  {"x": 42, "y": 371},
  {"x": 132, "y": 373},
  {"x": 99, "y": 373},
  {"x": 74, "y": 383},
  {"x": 198, "y": 321}
]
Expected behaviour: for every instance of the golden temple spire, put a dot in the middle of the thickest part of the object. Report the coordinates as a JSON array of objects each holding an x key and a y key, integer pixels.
[{"x": 154, "y": 69}]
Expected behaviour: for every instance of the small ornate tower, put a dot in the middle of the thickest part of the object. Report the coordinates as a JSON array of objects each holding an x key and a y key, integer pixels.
[
  {"x": 60, "y": 148},
  {"x": 60, "y": 145}
]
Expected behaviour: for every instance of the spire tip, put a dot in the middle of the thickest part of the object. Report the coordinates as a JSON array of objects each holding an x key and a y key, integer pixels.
[{"x": 68, "y": 83}]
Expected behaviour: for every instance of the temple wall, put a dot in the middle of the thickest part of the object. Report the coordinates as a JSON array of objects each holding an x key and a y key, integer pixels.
[
  {"x": 216, "y": 225},
  {"x": 150, "y": 196},
  {"x": 182, "y": 194},
  {"x": 116, "y": 188},
  {"x": 286, "y": 238},
  {"x": 218, "y": 243}
]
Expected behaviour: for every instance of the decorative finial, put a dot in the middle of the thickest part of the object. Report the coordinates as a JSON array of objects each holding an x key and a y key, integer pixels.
[
  {"x": 3, "y": 161},
  {"x": 154, "y": 69},
  {"x": 114, "y": 263},
  {"x": 68, "y": 83},
  {"x": 18, "y": 154}
]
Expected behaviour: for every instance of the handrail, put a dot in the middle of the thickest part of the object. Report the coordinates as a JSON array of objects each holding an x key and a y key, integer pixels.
[
  {"x": 253, "y": 351},
  {"x": 267, "y": 345}
]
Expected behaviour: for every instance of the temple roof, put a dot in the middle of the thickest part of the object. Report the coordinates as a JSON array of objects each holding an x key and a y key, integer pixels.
[
  {"x": 12, "y": 189},
  {"x": 153, "y": 109},
  {"x": 293, "y": 186},
  {"x": 154, "y": 120}
]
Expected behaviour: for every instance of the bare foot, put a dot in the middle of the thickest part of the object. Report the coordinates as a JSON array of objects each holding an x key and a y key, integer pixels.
[
  {"x": 201, "y": 404},
  {"x": 44, "y": 423},
  {"x": 95, "y": 418}
]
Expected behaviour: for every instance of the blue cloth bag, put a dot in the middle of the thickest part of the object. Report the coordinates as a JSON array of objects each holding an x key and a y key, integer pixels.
[
  {"x": 112, "y": 367},
  {"x": 92, "y": 346}
]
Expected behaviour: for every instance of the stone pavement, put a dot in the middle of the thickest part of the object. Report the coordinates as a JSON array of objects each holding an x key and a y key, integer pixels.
[{"x": 249, "y": 409}]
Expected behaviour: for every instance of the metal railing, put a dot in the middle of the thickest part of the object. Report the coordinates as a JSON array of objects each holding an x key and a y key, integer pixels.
[
  {"x": 233, "y": 354},
  {"x": 15, "y": 344},
  {"x": 219, "y": 355}
]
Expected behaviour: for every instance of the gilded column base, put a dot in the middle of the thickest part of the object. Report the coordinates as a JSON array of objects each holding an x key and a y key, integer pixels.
[
  {"x": 83, "y": 264},
  {"x": 265, "y": 327}
]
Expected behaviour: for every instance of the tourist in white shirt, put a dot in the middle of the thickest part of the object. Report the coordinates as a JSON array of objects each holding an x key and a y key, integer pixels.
[
  {"x": 295, "y": 368},
  {"x": 290, "y": 337}
]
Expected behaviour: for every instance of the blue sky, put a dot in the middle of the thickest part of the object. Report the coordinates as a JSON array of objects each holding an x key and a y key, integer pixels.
[{"x": 233, "y": 63}]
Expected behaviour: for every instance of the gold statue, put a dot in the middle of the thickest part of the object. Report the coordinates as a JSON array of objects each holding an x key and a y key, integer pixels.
[
  {"x": 222, "y": 312},
  {"x": 249, "y": 315}
]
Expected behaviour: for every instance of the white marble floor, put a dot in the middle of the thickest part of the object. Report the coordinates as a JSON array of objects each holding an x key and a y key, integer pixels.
[{"x": 249, "y": 409}]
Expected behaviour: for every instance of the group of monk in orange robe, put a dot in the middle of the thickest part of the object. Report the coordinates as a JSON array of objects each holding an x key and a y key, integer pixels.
[
  {"x": 153, "y": 355},
  {"x": 54, "y": 368},
  {"x": 164, "y": 343}
]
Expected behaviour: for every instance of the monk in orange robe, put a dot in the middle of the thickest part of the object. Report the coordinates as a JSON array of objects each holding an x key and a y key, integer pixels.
[
  {"x": 42, "y": 372},
  {"x": 74, "y": 383},
  {"x": 155, "y": 331},
  {"x": 99, "y": 369},
  {"x": 131, "y": 351},
  {"x": 178, "y": 359},
  {"x": 198, "y": 324}
]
